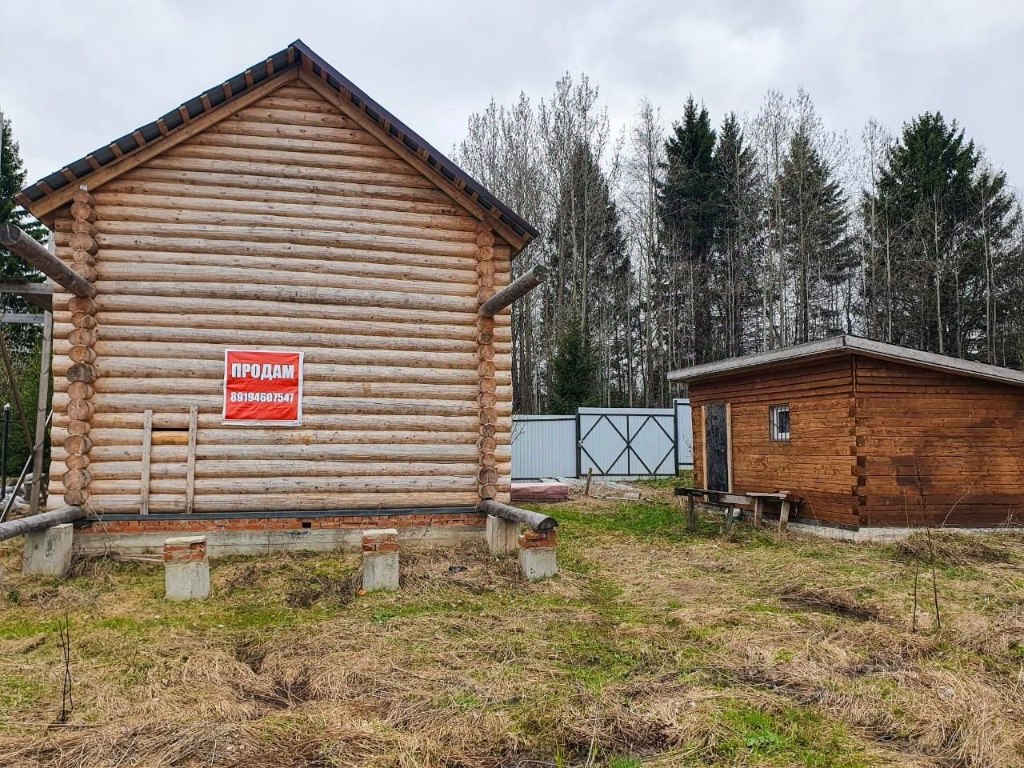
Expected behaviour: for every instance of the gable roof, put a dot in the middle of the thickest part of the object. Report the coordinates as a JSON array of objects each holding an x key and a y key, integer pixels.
[
  {"x": 52, "y": 191},
  {"x": 838, "y": 345}
]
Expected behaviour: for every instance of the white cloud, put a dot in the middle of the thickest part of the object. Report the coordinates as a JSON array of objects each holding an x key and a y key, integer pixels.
[{"x": 75, "y": 76}]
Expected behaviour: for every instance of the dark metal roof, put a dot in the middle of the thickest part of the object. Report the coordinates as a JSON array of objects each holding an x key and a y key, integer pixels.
[
  {"x": 78, "y": 171},
  {"x": 848, "y": 344}
]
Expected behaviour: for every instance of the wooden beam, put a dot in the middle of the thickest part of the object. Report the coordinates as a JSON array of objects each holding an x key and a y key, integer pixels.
[
  {"x": 190, "y": 473},
  {"x": 12, "y": 528},
  {"x": 52, "y": 202},
  {"x": 37, "y": 294},
  {"x": 41, "y": 407},
  {"x": 514, "y": 291},
  {"x": 37, "y": 256},
  {"x": 533, "y": 520},
  {"x": 21, "y": 318},
  {"x": 374, "y": 128},
  {"x": 147, "y": 457}
]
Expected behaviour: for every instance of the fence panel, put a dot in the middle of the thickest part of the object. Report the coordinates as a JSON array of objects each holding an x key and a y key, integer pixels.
[{"x": 543, "y": 446}]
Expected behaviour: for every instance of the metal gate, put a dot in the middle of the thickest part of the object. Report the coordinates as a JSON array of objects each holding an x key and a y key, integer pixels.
[
  {"x": 615, "y": 442},
  {"x": 627, "y": 442}
]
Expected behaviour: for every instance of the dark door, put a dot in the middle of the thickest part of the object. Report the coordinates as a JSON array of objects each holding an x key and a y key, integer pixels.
[{"x": 716, "y": 442}]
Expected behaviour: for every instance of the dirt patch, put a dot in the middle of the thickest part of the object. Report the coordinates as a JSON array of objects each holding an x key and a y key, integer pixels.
[{"x": 831, "y": 601}]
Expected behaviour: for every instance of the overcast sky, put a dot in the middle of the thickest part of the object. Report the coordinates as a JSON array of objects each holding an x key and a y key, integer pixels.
[{"x": 76, "y": 75}]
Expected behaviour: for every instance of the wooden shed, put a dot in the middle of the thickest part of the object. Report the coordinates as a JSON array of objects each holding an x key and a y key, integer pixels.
[
  {"x": 281, "y": 211},
  {"x": 870, "y": 435}
]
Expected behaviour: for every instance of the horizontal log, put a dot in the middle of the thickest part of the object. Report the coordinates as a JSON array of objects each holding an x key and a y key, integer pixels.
[
  {"x": 297, "y": 502},
  {"x": 291, "y": 293},
  {"x": 389, "y": 167},
  {"x": 151, "y": 262},
  {"x": 314, "y": 388},
  {"x": 358, "y": 187},
  {"x": 514, "y": 291},
  {"x": 230, "y": 470},
  {"x": 40, "y": 522},
  {"x": 37, "y": 256},
  {"x": 190, "y": 191},
  {"x": 290, "y": 331},
  {"x": 533, "y": 520},
  {"x": 272, "y": 485},
  {"x": 137, "y": 403},
  {"x": 282, "y": 275},
  {"x": 458, "y": 454}
]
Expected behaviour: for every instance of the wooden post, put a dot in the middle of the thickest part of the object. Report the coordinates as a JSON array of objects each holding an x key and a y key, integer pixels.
[
  {"x": 147, "y": 457},
  {"x": 784, "y": 516},
  {"x": 691, "y": 514},
  {"x": 590, "y": 476},
  {"x": 514, "y": 291},
  {"x": 41, "y": 408},
  {"x": 190, "y": 473},
  {"x": 36, "y": 255},
  {"x": 758, "y": 510}
]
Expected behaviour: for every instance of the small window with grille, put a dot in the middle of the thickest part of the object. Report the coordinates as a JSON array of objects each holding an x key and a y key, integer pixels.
[{"x": 778, "y": 422}]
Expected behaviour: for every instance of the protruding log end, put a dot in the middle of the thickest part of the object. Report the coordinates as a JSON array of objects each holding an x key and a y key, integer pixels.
[{"x": 514, "y": 291}]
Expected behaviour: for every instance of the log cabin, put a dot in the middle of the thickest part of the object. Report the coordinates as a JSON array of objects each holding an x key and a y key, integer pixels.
[
  {"x": 282, "y": 318},
  {"x": 872, "y": 437}
]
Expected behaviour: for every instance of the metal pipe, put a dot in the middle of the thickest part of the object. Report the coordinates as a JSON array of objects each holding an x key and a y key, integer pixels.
[{"x": 3, "y": 450}]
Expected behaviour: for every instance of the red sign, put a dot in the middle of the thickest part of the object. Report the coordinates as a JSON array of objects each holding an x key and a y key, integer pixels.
[{"x": 262, "y": 387}]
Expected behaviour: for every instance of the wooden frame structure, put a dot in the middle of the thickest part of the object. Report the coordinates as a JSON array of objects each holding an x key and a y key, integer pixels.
[
  {"x": 880, "y": 436},
  {"x": 283, "y": 208}
]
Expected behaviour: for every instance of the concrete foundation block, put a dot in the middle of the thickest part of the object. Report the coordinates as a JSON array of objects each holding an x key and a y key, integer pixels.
[
  {"x": 502, "y": 535},
  {"x": 186, "y": 568},
  {"x": 537, "y": 559},
  {"x": 48, "y": 552},
  {"x": 380, "y": 560}
]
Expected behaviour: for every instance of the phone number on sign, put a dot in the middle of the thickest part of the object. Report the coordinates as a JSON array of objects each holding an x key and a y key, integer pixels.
[{"x": 262, "y": 397}]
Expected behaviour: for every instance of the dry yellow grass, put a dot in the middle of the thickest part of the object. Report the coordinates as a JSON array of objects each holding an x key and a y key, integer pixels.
[{"x": 654, "y": 647}]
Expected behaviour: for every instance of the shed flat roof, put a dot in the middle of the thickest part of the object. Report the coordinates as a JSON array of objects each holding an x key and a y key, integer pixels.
[
  {"x": 78, "y": 171},
  {"x": 838, "y": 345}
]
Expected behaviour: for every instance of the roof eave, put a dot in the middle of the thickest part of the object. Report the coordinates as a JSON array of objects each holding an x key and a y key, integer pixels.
[{"x": 849, "y": 345}]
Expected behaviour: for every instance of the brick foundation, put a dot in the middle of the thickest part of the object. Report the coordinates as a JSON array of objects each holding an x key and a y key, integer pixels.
[
  {"x": 538, "y": 540},
  {"x": 137, "y": 534},
  {"x": 185, "y": 550}
]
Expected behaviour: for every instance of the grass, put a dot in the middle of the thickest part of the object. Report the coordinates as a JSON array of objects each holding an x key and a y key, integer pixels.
[{"x": 654, "y": 647}]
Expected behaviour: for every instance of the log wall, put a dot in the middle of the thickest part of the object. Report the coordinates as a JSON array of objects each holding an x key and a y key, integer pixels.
[
  {"x": 284, "y": 225},
  {"x": 937, "y": 448},
  {"x": 818, "y": 460}
]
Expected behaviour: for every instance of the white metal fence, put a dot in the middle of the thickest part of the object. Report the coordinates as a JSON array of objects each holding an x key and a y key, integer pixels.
[{"x": 610, "y": 442}]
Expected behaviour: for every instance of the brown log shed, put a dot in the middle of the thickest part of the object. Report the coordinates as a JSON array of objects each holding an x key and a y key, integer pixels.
[
  {"x": 870, "y": 435},
  {"x": 281, "y": 209}
]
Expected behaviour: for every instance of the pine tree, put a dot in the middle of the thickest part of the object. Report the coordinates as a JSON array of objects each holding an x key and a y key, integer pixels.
[
  {"x": 952, "y": 233},
  {"x": 688, "y": 208},
  {"x": 574, "y": 369},
  {"x": 23, "y": 341},
  {"x": 815, "y": 234},
  {"x": 12, "y": 179},
  {"x": 737, "y": 239}
]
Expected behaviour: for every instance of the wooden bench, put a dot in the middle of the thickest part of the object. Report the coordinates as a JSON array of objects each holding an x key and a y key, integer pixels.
[
  {"x": 785, "y": 499},
  {"x": 714, "y": 498}
]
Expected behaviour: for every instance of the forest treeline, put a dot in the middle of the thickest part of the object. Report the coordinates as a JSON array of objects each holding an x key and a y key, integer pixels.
[{"x": 683, "y": 241}]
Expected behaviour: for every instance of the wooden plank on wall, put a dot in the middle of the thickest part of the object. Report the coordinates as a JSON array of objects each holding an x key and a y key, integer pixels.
[
  {"x": 147, "y": 457},
  {"x": 190, "y": 476}
]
